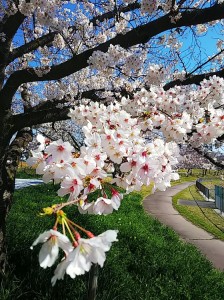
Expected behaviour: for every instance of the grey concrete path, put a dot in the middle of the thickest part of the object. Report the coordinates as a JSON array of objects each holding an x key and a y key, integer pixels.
[
  {"x": 160, "y": 206},
  {"x": 21, "y": 183},
  {"x": 199, "y": 203}
]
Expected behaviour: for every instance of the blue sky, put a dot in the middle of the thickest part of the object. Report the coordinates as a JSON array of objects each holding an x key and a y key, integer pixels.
[{"x": 207, "y": 42}]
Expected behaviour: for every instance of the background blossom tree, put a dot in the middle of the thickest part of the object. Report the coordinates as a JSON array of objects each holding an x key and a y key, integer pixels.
[
  {"x": 192, "y": 160},
  {"x": 57, "y": 55}
]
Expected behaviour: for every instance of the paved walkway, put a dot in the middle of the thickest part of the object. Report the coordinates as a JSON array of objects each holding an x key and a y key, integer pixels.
[
  {"x": 199, "y": 203},
  {"x": 160, "y": 206},
  {"x": 21, "y": 183}
]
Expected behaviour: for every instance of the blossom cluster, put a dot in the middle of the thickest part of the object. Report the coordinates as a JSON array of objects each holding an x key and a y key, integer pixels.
[
  {"x": 114, "y": 144},
  {"x": 100, "y": 60},
  {"x": 149, "y": 6},
  {"x": 182, "y": 110},
  {"x": 155, "y": 74},
  {"x": 115, "y": 132},
  {"x": 78, "y": 176},
  {"x": 45, "y": 10},
  {"x": 79, "y": 255}
]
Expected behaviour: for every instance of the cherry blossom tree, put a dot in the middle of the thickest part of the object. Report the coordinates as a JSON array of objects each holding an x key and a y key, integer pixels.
[
  {"x": 59, "y": 58},
  {"x": 192, "y": 160},
  {"x": 65, "y": 130}
]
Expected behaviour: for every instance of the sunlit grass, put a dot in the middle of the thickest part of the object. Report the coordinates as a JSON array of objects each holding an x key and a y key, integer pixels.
[
  {"x": 205, "y": 218},
  {"x": 210, "y": 184},
  {"x": 26, "y": 172},
  {"x": 149, "y": 262}
]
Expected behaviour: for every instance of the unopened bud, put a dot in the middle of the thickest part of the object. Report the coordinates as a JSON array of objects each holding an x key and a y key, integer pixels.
[
  {"x": 90, "y": 234},
  {"x": 77, "y": 235},
  {"x": 75, "y": 244},
  {"x": 47, "y": 211}
]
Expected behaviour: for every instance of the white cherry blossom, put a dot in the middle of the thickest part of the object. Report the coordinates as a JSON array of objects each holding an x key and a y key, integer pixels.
[
  {"x": 104, "y": 206},
  {"x": 59, "y": 150},
  {"x": 90, "y": 251},
  {"x": 71, "y": 185},
  {"x": 52, "y": 240}
]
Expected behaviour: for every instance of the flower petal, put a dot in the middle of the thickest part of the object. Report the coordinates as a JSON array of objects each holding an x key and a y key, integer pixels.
[
  {"x": 48, "y": 254},
  {"x": 42, "y": 238}
]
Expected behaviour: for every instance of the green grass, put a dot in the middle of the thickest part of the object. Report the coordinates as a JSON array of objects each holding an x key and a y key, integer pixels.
[
  {"x": 200, "y": 173},
  {"x": 210, "y": 184},
  {"x": 149, "y": 262},
  {"x": 27, "y": 173},
  {"x": 183, "y": 179},
  {"x": 202, "y": 217},
  {"x": 210, "y": 178}
]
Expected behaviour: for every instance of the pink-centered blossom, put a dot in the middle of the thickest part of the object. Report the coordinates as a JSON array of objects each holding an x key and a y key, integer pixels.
[
  {"x": 39, "y": 159},
  {"x": 60, "y": 150},
  {"x": 103, "y": 206},
  {"x": 116, "y": 199},
  {"x": 71, "y": 185}
]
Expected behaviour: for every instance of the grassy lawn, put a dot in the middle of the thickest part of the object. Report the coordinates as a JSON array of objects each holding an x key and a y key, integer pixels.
[
  {"x": 183, "y": 179},
  {"x": 27, "y": 173},
  {"x": 199, "y": 173},
  {"x": 210, "y": 184},
  {"x": 149, "y": 262},
  {"x": 205, "y": 218}
]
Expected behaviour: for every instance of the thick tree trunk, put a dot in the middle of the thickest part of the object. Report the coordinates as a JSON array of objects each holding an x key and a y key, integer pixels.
[
  {"x": 189, "y": 172},
  {"x": 9, "y": 162}
]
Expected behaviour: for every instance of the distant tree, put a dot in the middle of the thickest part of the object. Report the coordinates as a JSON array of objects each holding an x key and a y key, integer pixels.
[{"x": 191, "y": 159}]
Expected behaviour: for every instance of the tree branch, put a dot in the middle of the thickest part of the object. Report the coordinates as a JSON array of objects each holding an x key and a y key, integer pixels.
[
  {"x": 48, "y": 112},
  {"x": 11, "y": 25},
  {"x": 194, "y": 79},
  {"x": 48, "y": 38},
  {"x": 39, "y": 117},
  {"x": 118, "y": 10},
  {"x": 141, "y": 34},
  {"x": 31, "y": 46},
  {"x": 212, "y": 160},
  {"x": 207, "y": 61}
]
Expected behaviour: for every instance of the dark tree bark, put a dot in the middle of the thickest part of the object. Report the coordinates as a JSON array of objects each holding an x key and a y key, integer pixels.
[{"x": 8, "y": 169}]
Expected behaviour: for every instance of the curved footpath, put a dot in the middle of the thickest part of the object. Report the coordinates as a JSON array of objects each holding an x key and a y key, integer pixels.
[{"x": 159, "y": 205}]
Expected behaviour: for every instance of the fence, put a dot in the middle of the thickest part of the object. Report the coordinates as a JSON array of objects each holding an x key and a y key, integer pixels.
[
  {"x": 219, "y": 197},
  {"x": 217, "y": 193},
  {"x": 209, "y": 193}
]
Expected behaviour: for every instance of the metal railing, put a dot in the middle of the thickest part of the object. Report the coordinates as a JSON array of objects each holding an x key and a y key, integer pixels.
[
  {"x": 219, "y": 197},
  {"x": 217, "y": 193},
  {"x": 209, "y": 193}
]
